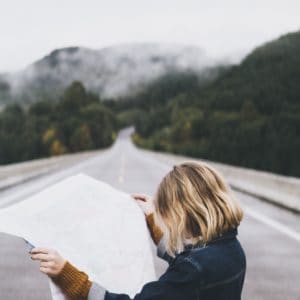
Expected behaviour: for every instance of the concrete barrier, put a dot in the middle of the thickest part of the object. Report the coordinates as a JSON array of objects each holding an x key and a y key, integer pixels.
[
  {"x": 280, "y": 190},
  {"x": 17, "y": 173}
]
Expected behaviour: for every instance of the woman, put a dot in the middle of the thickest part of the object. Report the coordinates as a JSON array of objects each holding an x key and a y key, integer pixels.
[{"x": 193, "y": 219}]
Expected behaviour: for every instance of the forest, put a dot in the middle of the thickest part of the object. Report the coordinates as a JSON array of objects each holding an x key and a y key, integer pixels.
[
  {"x": 249, "y": 116},
  {"x": 78, "y": 121},
  {"x": 246, "y": 115}
]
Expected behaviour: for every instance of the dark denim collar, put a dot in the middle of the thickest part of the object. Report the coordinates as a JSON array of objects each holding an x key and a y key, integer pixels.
[{"x": 224, "y": 236}]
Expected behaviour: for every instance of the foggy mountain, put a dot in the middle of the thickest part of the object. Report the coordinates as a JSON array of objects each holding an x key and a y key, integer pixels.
[{"x": 110, "y": 72}]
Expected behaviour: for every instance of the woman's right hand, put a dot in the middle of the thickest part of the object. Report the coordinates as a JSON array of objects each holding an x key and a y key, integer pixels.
[{"x": 145, "y": 202}]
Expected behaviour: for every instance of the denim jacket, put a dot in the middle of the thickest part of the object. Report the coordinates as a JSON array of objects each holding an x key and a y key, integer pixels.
[{"x": 211, "y": 272}]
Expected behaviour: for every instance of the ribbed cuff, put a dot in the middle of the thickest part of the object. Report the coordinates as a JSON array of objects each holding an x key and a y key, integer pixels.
[
  {"x": 75, "y": 284},
  {"x": 155, "y": 231}
]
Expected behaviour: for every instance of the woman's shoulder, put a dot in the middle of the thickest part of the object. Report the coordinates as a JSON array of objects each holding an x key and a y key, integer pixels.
[
  {"x": 221, "y": 259},
  {"x": 214, "y": 262},
  {"x": 182, "y": 269},
  {"x": 224, "y": 249}
]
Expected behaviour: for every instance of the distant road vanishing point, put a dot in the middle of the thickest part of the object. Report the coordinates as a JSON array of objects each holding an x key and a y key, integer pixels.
[{"x": 269, "y": 234}]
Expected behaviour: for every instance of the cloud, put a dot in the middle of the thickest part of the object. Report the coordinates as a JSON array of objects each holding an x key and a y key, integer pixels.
[
  {"x": 111, "y": 71},
  {"x": 31, "y": 28}
]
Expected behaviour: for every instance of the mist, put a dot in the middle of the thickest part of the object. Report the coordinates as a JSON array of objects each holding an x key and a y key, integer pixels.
[
  {"x": 229, "y": 29},
  {"x": 111, "y": 71}
]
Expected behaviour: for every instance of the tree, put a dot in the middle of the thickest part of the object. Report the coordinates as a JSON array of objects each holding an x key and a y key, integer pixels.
[
  {"x": 81, "y": 139},
  {"x": 74, "y": 98},
  {"x": 249, "y": 111},
  {"x": 57, "y": 148}
]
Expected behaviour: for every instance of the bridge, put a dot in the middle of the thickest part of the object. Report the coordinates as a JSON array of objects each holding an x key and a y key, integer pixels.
[{"x": 269, "y": 233}]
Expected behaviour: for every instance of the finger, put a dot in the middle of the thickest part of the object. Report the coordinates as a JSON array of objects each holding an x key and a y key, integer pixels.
[
  {"x": 40, "y": 250},
  {"x": 139, "y": 197},
  {"x": 45, "y": 270},
  {"x": 40, "y": 256},
  {"x": 47, "y": 264}
]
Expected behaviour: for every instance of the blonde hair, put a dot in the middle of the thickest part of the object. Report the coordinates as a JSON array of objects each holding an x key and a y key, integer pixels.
[{"x": 194, "y": 203}]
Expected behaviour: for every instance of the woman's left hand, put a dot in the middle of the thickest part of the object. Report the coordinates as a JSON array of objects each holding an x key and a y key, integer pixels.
[{"x": 51, "y": 262}]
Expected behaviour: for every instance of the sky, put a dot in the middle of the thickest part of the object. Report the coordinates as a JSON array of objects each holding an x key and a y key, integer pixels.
[{"x": 223, "y": 28}]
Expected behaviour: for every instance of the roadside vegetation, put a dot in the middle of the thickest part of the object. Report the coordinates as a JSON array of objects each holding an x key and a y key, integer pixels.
[
  {"x": 249, "y": 116},
  {"x": 77, "y": 122}
]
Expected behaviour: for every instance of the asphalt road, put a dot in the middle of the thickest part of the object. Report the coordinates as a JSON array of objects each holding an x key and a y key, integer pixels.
[{"x": 270, "y": 235}]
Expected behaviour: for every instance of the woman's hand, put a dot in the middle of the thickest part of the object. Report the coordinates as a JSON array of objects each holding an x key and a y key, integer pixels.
[
  {"x": 51, "y": 262},
  {"x": 145, "y": 202}
]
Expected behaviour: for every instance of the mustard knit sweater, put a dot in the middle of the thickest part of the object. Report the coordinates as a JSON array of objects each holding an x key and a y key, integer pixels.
[{"x": 76, "y": 285}]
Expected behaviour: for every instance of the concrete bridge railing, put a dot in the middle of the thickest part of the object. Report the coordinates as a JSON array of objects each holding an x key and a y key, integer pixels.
[
  {"x": 17, "y": 173},
  {"x": 280, "y": 190}
]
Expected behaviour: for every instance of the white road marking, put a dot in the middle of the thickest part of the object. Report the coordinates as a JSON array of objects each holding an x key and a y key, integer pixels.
[
  {"x": 122, "y": 170},
  {"x": 272, "y": 223}
]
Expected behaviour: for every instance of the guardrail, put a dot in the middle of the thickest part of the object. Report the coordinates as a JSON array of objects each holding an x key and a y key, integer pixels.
[
  {"x": 17, "y": 173},
  {"x": 280, "y": 190}
]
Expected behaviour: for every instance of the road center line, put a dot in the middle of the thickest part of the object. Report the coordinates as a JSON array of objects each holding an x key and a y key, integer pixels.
[{"x": 122, "y": 170}]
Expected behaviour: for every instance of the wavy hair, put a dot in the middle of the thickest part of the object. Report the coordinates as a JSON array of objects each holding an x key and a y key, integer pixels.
[{"x": 193, "y": 203}]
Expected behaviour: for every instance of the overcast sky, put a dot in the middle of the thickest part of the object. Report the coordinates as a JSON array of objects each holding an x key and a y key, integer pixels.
[{"x": 30, "y": 29}]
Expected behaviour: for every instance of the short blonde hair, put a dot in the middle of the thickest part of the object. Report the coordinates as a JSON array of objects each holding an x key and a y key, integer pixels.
[{"x": 194, "y": 203}]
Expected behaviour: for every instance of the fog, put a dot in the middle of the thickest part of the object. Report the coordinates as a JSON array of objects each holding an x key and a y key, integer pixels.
[
  {"x": 112, "y": 71},
  {"x": 225, "y": 29}
]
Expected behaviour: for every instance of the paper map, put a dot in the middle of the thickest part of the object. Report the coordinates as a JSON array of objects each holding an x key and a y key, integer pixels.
[{"x": 97, "y": 228}]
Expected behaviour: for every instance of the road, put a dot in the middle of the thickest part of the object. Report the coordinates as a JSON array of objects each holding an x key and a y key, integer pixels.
[{"x": 270, "y": 235}]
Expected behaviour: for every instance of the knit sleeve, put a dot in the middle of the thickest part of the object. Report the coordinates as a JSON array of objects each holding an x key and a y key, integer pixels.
[
  {"x": 155, "y": 231},
  {"x": 75, "y": 284}
]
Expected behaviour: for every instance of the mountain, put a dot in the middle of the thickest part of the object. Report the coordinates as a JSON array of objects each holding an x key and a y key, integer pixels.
[
  {"x": 269, "y": 77},
  {"x": 248, "y": 116},
  {"x": 111, "y": 72},
  {"x": 4, "y": 90}
]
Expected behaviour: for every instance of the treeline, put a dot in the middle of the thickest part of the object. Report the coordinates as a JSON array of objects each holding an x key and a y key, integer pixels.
[
  {"x": 78, "y": 121},
  {"x": 246, "y": 115},
  {"x": 249, "y": 116}
]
